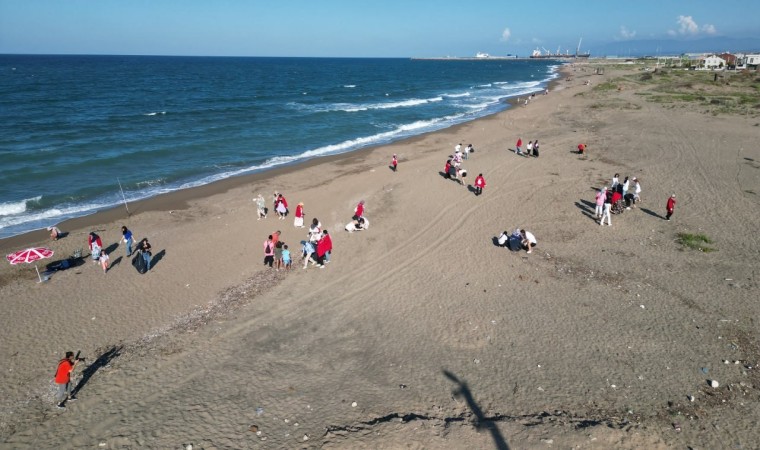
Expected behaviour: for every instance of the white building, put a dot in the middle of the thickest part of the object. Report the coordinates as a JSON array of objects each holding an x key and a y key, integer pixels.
[
  {"x": 749, "y": 61},
  {"x": 713, "y": 62}
]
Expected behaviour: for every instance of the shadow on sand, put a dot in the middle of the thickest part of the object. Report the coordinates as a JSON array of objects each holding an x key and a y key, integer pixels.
[
  {"x": 103, "y": 360},
  {"x": 481, "y": 421}
]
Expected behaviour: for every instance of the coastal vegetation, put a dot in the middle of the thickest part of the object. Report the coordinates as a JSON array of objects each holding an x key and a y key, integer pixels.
[
  {"x": 695, "y": 242},
  {"x": 724, "y": 92}
]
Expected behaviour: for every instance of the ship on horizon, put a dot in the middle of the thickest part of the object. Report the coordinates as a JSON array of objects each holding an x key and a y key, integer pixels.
[{"x": 537, "y": 54}]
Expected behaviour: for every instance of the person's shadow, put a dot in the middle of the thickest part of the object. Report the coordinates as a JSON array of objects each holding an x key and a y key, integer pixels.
[
  {"x": 481, "y": 421},
  {"x": 157, "y": 258},
  {"x": 103, "y": 360},
  {"x": 585, "y": 207},
  {"x": 390, "y": 166},
  {"x": 472, "y": 189},
  {"x": 652, "y": 213}
]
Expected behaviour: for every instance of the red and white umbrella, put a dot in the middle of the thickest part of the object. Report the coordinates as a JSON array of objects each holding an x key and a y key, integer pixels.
[{"x": 28, "y": 256}]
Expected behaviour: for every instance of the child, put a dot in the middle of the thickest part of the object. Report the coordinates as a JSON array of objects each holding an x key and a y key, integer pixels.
[
  {"x": 394, "y": 163},
  {"x": 278, "y": 254},
  {"x": 286, "y": 257},
  {"x": 670, "y": 206},
  {"x": 104, "y": 261}
]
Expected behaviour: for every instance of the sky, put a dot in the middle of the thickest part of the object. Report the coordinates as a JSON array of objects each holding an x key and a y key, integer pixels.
[{"x": 356, "y": 28}]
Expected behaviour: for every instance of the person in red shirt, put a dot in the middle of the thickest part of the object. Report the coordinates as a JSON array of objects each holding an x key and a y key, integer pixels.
[
  {"x": 447, "y": 168},
  {"x": 480, "y": 183},
  {"x": 298, "y": 222},
  {"x": 581, "y": 148},
  {"x": 63, "y": 379},
  {"x": 394, "y": 163},
  {"x": 518, "y": 145},
  {"x": 324, "y": 247},
  {"x": 359, "y": 210},
  {"x": 671, "y": 206}
]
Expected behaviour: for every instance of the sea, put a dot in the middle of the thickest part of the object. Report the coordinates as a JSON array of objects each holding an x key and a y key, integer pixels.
[{"x": 81, "y": 134}]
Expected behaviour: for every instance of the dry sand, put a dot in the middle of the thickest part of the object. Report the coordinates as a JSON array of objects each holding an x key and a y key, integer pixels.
[{"x": 421, "y": 333}]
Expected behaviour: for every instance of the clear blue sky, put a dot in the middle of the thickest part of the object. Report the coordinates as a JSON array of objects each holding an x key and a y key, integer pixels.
[{"x": 383, "y": 28}]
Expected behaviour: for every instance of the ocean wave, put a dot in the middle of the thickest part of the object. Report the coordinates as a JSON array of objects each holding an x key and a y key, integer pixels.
[
  {"x": 349, "y": 86},
  {"x": 349, "y": 107},
  {"x": 463, "y": 94},
  {"x": 13, "y": 208},
  {"x": 488, "y": 85},
  {"x": 155, "y": 113}
]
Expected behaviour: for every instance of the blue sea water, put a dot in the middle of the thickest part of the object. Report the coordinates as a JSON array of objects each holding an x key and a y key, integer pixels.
[{"x": 74, "y": 127}]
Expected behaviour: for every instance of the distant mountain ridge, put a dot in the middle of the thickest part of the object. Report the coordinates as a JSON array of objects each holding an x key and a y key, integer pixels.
[{"x": 653, "y": 47}]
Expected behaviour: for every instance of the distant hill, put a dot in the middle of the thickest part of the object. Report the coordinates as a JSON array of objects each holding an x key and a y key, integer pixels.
[{"x": 653, "y": 47}]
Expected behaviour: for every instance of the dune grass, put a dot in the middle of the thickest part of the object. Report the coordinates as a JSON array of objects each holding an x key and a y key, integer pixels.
[{"x": 696, "y": 242}]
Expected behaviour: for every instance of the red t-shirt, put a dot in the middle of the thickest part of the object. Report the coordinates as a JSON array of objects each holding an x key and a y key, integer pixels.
[
  {"x": 63, "y": 374},
  {"x": 360, "y": 209}
]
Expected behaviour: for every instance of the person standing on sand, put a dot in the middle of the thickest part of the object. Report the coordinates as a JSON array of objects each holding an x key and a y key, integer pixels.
[
  {"x": 324, "y": 247},
  {"x": 581, "y": 149},
  {"x": 359, "y": 210},
  {"x": 298, "y": 221},
  {"x": 95, "y": 244},
  {"x": 315, "y": 230},
  {"x": 63, "y": 379},
  {"x": 670, "y": 206},
  {"x": 480, "y": 183},
  {"x": 145, "y": 252},
  {"x": 615, "y": 180},
  {"x": 278, "y": 255},
  {"x": 394, "y": 163},
  {"x": 261, "y": 207},
  {"x": 535, "y": 148},
  {"x": 601, "y": 197},
  {"x": 606, "y": 212},
  {"x": 269, "y": 252},
  {"x": 529, "y": 148},
  {"x": 458, "y": 148},
  {"x": 128, "y": 239},
  {"x": 518, "y": 145},
  {"x": 467, "y": 151},
  {"x": 636, "y": 191}
]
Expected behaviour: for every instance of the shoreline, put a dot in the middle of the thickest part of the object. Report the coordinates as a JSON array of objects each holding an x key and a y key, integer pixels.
[{"x": 180, "y": 199}]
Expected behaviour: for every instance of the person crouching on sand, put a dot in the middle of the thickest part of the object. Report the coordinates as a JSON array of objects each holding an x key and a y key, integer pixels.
[{"x": 528, "y": 240}]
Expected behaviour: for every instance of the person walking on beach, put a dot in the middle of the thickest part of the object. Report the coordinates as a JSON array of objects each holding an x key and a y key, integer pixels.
[
  {"x": 529, "y": 148},
  {"x": 63, "y": 379},
  {"x": 145, "y": 248},
  {"x": 670, "y": 206},
  {"x": 535, "y": 148},
  {"x": 278, "y": 255},
  {"x": 518, "y": 145},
  {"x": 105, "y": 261},
  {"x": 359, "y": 210},
  {"x": 601, "y": 197},
  {"x": 269, "y": 251},
  {"x": 394, "y": 163},
  {"x": 261, "y": 207},
  {"x": 626, "y": 184},
  {"x": 467, "y": 151},
  {"x": 298, "y": 221},
  {"x": 636, "y": 191},
  {"x": 128, "y": 239},
  {"x": 480, "y": 183}
]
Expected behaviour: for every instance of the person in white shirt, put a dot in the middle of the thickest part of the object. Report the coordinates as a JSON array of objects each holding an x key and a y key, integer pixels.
[
  {"x": 615, "y": 180},
  {"x": 636, "y": 192},
  {"x": 529, "y": 148},
  {"x": 528, "y": 240}
]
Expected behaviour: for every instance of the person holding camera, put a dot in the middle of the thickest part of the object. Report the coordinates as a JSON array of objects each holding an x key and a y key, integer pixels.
[{"x": 63, "y": 379}]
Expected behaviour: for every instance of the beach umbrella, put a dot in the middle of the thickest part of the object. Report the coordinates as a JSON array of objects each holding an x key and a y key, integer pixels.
[{"x": 30, "y": 255}]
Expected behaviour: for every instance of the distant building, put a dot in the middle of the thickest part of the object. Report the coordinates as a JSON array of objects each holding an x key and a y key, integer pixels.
[
  {"x": 748, "y": 61},
  {"x": 729, "y": 59},
  {"x": 713, "y": 62}
]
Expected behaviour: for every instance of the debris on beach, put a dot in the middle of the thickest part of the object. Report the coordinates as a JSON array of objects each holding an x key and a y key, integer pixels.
[
  {"x": 714, "y": 384},
  {"x": 253, "y": 428},
  {"x": 353, "y": 405}
]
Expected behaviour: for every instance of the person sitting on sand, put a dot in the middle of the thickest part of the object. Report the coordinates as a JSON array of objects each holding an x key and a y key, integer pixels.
[
  {"x": 528, "y": 240},
  {"x": 54, "y": 232}
]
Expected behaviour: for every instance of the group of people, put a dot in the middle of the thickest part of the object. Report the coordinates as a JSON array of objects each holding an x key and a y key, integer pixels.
[
  {"x": 100, "y": 255},
  {"x": 453, "y": 169},
  {"x": 530, "y": 150},
  {"x": 619, "y": 197},
  {"x": 280, "y": 205},
  {"x": 518, "y": 239}
]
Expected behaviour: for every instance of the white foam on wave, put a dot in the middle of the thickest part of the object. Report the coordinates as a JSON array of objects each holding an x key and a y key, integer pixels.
[
  {"x": 349, "y": 86},
  {"x": 12, "y": 208},
  {"x": 155, "y": 113},
  {"x": 463, "y": 94},
  {"x": 349, "y": 107}
]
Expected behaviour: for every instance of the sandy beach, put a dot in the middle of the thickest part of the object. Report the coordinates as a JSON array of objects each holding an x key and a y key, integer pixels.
[{"x": 421, "y": 332}]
